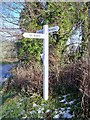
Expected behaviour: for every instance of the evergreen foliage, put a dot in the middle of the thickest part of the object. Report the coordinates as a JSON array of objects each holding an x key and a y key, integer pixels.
[{"x": 65, "y": 15}]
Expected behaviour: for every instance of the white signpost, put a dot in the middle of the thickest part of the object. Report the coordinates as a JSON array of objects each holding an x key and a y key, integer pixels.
[{"x": 43, "y": 34}]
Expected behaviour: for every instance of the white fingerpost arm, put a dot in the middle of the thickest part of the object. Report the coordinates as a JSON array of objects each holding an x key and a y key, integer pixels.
[{"x": 45, "y": 62}]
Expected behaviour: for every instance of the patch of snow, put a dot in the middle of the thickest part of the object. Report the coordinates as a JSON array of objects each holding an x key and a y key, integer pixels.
[
  {"x": 56, "y": 111},
  {"x": 24, "y": 116},
  {"x": 62, "y": 109},
  {"x": 63, "y": 100},
  {"x": 71, "y": 102},
  {"x": 32, "y": 112},
  {"x": 18, "y": 104},
  {"x": 56, "y": 116},
  {"x": 35, "y": 105},
  {"x": 40, "y": 110},
  {"x": 66, "y": 95},
  {"x": 47, "y": 111},
  {"x": 66, "y": 114},
  {"x": 66, "y": 103},
  {"x": 60, "y": 97},
  {"x": 68, "y": 108},
  {"x": 43, "y": 105}
]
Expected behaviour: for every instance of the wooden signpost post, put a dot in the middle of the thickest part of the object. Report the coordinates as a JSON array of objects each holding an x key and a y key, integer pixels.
[{"x": 43, "y": 34}]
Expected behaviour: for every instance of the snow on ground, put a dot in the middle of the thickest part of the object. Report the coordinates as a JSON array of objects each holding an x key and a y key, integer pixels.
[
  {"x": 56, "y": 116},
  {"x": 64, "y": 100},
  {"x": 66, "y": 114},
  {"x": 66, "y": 111},
  {"x": 63, "y": 112}
]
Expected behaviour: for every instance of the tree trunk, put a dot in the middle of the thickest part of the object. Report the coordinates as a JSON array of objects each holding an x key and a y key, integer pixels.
[{"x": 86, "y": 99}]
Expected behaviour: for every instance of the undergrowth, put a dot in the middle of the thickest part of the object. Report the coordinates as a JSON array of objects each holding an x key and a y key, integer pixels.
[{"x": 20, "y": 106}]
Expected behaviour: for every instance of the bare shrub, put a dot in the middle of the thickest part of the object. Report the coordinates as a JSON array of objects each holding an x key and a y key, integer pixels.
[{"x": 27, "y": 79}]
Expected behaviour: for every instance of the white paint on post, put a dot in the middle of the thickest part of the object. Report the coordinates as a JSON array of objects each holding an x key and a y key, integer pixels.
[{"x": 45, "y": 62}]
